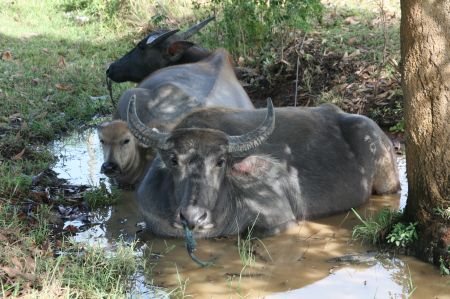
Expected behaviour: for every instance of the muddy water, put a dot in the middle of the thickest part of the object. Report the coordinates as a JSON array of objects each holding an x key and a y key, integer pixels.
[{"x": 295, "y": 264}]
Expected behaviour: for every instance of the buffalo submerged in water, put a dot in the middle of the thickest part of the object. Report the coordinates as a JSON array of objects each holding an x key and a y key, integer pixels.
[{"x": 218, "y": 172}]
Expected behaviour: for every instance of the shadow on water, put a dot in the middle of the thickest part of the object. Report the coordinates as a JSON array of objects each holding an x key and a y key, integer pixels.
[{"x": 296, "y": 264}]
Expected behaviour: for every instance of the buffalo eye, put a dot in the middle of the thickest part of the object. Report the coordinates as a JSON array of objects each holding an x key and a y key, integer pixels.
[
  {"x": 173, "y": 160},
  {"x": 126, "y": 141},
  {"x": 220, "y": 162}
]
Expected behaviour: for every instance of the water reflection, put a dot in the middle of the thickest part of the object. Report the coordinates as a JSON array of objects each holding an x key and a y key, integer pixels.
[
  {"x": 80, "y": 158},
  {"x": 291, "y": 265}
]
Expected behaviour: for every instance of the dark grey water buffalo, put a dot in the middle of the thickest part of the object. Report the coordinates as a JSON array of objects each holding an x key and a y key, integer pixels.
[
  {"x": 157, "y": 50},
  {"x": 221, "y": 172},
  {"x": 162, "y": 100}
]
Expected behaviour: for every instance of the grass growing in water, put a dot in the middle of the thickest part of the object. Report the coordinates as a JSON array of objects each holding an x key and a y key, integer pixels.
[
  {"x": 385, "y": 227},
  {"x": 100, "y": 196},
  {"x": 374, "y": 229}
]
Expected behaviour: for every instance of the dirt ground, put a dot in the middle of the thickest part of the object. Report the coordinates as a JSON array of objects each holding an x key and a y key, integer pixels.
[{"x": 354, "y": 84}]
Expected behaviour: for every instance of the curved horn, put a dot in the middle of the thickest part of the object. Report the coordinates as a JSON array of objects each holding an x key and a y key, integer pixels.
[
  {"x": 254, "y": 138},
  {"x": 146, "y": 136},
  {"x": 194, "y": 29},
  {"x": 156, "y": 39}
]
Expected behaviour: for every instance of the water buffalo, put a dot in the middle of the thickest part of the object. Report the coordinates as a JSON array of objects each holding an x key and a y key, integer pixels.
[
  {"x": 126, "y": 162},
  {"x": 162, "y": 100},
  {"x": 219, "y": 172},
  {"x": 157, "y": 50}
]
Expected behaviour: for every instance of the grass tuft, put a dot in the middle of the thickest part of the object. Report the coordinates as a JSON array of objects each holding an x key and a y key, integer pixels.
[
  {"x": 374, "y": 229},
  {"x": 100, "y": 196}
]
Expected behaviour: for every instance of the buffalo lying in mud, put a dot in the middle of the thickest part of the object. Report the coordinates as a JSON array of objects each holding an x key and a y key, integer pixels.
[
  {"x": 162, "y": 100},
  {"x": 157, "y": 50},
  {"x": 219, "y": 172}
]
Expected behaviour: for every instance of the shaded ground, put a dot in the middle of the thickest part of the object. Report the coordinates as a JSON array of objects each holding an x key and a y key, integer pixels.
[{"x": 349, "y": 81}]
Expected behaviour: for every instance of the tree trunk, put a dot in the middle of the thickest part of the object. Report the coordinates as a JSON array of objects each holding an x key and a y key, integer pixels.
[{"x": 425, "y": 49}]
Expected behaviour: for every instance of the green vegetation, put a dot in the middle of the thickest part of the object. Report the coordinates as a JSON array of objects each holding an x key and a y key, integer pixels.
[
  {"x": 50, "y": 66},
  {"x": 444, "y": 266},
  {"x": 374, "y": 229},
  {"x": 253, "y": 29},
  {"x": 402, "y": 235},
  {"x": 385, "y": 227},
  {"x": 100, "y": 196}
]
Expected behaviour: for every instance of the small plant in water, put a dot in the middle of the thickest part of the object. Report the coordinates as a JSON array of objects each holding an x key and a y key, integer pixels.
[
  {"x": 180, "y": 290},
  {"x": 246, "y": 248},
  {"x": 402, "y": 235},
  {"x": 444, "y": 264},
  {"x": 100, "y": 196},
  {"x": 373, "y": 229},
  {"x": 444, "y": 267}
]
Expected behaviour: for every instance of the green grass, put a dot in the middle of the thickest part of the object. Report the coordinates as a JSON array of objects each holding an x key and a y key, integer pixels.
[
  {"x": 50, "y": 66},
  {"x": 373, "y": 230},
  {"x": 91, "y": 272},
  {"x": 385, "y": 227},
  {"x": 100, "y": 196},
  {"x": 55, "y": 66},
  {"x": 80, "y": 271}
]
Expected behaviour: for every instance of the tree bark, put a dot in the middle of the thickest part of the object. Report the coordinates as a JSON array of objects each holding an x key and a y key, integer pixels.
[{"x": 425, "y": 50}]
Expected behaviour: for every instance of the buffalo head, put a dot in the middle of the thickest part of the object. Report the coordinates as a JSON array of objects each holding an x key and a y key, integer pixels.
[
  {"x": 123, "y": 157},
  {"x": 157, "y": 50},
  {"x": 200, "y": 162}
]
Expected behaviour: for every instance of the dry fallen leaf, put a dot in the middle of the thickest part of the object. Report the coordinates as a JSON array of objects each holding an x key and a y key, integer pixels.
[
  {"x": 351, "y": 41},
  {"x": 15, "y": 117},
  {"x": 64, "y": 87},
  {"x": 61, "y": 61},
  {"x": 18, "y": 156},
  {"x": 241, "y": 61},
  {"x": 355, "y": 53},
  {"x": 11, "y": 272},
  {"x": 71, "y": 228},
  {"x": 6, "y": 55},
  {"x": 351, "y": 21},
  {"x": 3, "y": 238}
]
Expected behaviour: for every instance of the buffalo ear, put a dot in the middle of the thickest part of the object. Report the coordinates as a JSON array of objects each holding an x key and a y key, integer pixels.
[
  {"x": 253, "y": 166},
  {"x": 176, "y": 49}
]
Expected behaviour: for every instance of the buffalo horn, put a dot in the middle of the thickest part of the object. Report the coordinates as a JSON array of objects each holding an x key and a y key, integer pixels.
[
  {"x": 148, "y": 137},
  {"x": 194, "y": 29},
  {"x": 152, "y": 40},
  {"x": 254, "y": 138}
]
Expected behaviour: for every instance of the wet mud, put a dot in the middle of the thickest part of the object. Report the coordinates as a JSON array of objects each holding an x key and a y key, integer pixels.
[{"x": 317, "y": 259}]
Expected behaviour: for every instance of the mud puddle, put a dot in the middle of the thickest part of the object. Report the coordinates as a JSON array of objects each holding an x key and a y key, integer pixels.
[{"x": 317, "y": 259}]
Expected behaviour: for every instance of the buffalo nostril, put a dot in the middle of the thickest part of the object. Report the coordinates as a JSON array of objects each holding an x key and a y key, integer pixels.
[
  {"x": 194, "y": 217},
  {"x": 203, "y": 217},
  {"x": 186, "y": 222},
  {"x": 108, "y": 167}
]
